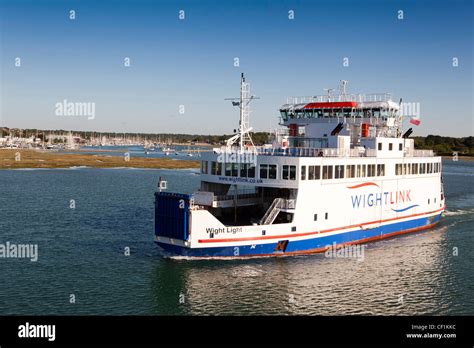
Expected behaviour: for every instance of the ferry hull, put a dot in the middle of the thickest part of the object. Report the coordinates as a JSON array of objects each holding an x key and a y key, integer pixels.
[{"x": 306, "y": 246}]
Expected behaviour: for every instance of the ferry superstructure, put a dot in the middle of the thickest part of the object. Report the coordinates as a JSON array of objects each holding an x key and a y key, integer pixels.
[{"x": 339, "y": 172}]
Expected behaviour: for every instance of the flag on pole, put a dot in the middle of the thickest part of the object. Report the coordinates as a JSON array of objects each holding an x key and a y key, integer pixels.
[{"x": 415, "y": 121}]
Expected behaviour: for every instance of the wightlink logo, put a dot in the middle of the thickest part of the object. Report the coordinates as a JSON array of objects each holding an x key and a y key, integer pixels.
[{"x": 365, "y": 200}]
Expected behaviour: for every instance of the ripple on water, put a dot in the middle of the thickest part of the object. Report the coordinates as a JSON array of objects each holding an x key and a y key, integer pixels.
[{"x": 82, "y": 253}]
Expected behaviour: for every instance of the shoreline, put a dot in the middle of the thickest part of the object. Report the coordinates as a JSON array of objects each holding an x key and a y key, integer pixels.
[
  {"x": 460, "y": 158},
  {"x": 33, "y": 159}
]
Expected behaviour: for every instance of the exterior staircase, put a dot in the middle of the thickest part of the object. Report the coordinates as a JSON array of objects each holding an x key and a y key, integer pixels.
[{"x": 272, "y": 211}]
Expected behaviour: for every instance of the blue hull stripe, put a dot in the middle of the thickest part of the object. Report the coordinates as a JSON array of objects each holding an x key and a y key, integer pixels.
[{"x": 302, "y": 245}]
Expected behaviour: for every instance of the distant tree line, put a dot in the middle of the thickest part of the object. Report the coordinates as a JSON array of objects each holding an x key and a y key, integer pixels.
[
  {"x": 441, "y": 145},
  {"x": 445, "y": 146}
]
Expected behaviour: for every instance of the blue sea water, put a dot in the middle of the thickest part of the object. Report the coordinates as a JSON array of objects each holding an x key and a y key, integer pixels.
[{"x": 81, "y": 253}]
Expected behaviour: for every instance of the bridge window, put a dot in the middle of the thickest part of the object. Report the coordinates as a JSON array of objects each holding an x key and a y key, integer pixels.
[
  {"x": 327, "y": 172},
  {"x": 228, "y": 169},
  {"x": 314, "y": 172},
  {"x": 284, "y": 115},
  {"x": 268, "y": 171},
  {"x": 315, "y": 217},
  {"x": 363, "y": 174},
  {"x": 235, "y": 169},
  {"x": 350, "y": 171},
  {"x": 251, "y": 171},
  {"x": 398, "y": 169},
  {"x": 264, "y": 171},
  {"x": 204, "y": 167},
  {"x": 390, "y": 146},
  {"x": 326, "y": 216},
  {"x": 308, "y": 113},
  {"x": 400, "y": 147},
  {"x": 272, "y": 171},
  {"x": 338, "y": 113},
  {"x": 379, "y": 147},
  {"x": 339, "y": 172},
  {"x": 380, "y": 169},
  {"x": 289, "y": 172},
  {"x": 292, "y": 172},
  {"x": 303, "y": 172},
  {"x": 216, "y": 168},
  {"x": 243, "y": 170},
  {"x": 371, "y": 170}
]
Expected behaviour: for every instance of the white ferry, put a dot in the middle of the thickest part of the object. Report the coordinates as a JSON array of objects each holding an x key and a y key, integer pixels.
[{"x": 340, "y": 172}]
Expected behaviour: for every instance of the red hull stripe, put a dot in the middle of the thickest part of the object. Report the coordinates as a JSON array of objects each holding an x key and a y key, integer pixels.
[
  {"x": 362, "y": 185},
  {"x": 224, "y": 240},
  {"x": 360, "y": 241},
  {"x": 331, "y": 105}
]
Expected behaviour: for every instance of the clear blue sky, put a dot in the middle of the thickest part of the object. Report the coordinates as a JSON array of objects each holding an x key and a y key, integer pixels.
[{"x": 190, "y": 62}]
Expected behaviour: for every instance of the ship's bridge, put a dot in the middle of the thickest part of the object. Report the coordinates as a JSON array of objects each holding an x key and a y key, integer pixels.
[
  {"x": 312, "y": 121},
  {"x": 378, "y": 105}
]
